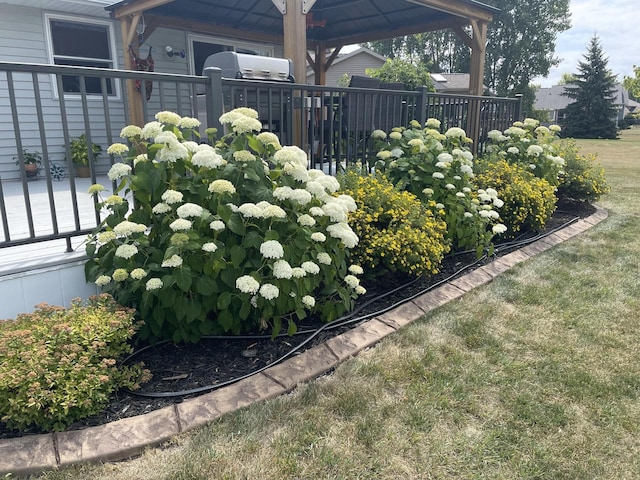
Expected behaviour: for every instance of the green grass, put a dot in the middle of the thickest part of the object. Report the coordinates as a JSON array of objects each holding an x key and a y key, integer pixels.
[{"x": 534, "y": 376}]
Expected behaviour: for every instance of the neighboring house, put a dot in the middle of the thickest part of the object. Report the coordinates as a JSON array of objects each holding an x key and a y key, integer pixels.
[
  {"x": 72, "y": 32},
  {"x": 455, "y": 83},
  {"x": 554, "y": 102},
  {"x": 352, "y": 63}
]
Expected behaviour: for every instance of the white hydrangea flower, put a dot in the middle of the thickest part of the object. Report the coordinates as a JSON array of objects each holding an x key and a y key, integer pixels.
[
  {"x": 317, "y": 212},
  {"x": 531, "y": 122},
  {"x": 189, "y": 122},
  {"x": 455, "y": 132},
  {"x": 151, "y": 130},
  {"x": 460, "y": 195},
  {"x": 499, "y": 228},
  {"x": 168, "y": 117},
  {"x": 534, "y": 150},
  {"x": 324, "y": 258},
  {"x": 555, "y": 128},
  {"x": 427, "y": 191},
  {"x": 306, "y": 220},
  {"x": 360, "y": 290},
  {"x": 96, "y": 188},
  {"x": 117, "y": 149},
  {"x": 192, "y": 146},
  {"x": 437, "y": 175},
  {"x": 120, "y": 275},
  {"x": 494, "y": 134},
  {"x": 247, "y": 284},
  {"x": 172, "y": 153},
  {"x": 298, "y": 172},
  {"x": 515, "y": 131},
  {"x": 244, "y": 156},
  {"x": 272, "y": 249},
  {"x": 209, "y": 247},
  {"x": 282, "y": 269},
  {"x": 250, "y": 210},
  {"x": 335, "y": 211},
  {"x": 298, "y": 272},
  {"x": 457, "y": 177},
  {"x": 106, "y": 237},
  {"x": 300, "y": 196},
  {"x": 498, "y": 203},
  {"x": 126, "y": 228},
  {"x": 513, "y": 150},
  {"x": 343, "y": 232},
  {"x": 118, "y": 170},
  {"x": 167, "y": 138},
  {"x": 282, "y": 193},
  {"x": 468, "y": 214},
  {"x": 172, "y": 196},
  {"x": 467, "y": 170},
  {"x": 268, "y": 138},
  {"x": 450, "y": 186},
  {"x": 329, "y": 183},
  {"x": 114, "y": 200},
  {"x": 103, "y": 280},
  {"x": 273, "y": 211},
  {"x": 221, "y": 187},
  {"x": 318, "y": 237},
  {"x": 174, "y": 261},
  {"x": 161, "y": 208},
  {"x": 395, "y": 136},
  {"x": 290, "y": 154},
  {"x": 356, "y": 269},
  {"x": 484, "y": 213},
  {"x": 130, "y": 131},
  {"x": 217, "y": 225},
  {"x": 542, "y": 131},
  {"x": 138, "y": 273},
  {"x": 207, "y": 158},
  {"x": 352, "y": 281},
  {"x": 187, "y": 210},
  {"x": 126, "y": 251},
  {"x": 383, "y": 154},
  {"x": 433, "y": 123},
  {"x": 308, "y": 301},
  {"x": 378, "y": 135},
  {"x": 140, "y": 158},
  {"x": 269, "y": 291},
  {"x": 246, "y": 124},
  {"x": 310, "y": 267},
  {"x": 180, "y": 224},
  {"x": 154, "y": 284}
]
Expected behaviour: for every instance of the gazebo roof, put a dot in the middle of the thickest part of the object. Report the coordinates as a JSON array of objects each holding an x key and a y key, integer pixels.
[{"x": 335, "y": 22}]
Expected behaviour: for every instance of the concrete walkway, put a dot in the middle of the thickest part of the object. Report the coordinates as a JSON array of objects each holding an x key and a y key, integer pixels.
[{"x": 127, "y": 437}]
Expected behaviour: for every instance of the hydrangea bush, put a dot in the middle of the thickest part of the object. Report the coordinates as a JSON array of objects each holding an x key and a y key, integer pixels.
[
  {"x": 531, "y": 145},
  {"x": 397, "y": 231},
  {"x": 233, "y": 238},
  {"x": 439, "y": 167}
]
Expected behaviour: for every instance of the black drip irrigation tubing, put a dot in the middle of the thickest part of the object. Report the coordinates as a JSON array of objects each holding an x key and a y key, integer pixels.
[{"x": 345, "y": 320}]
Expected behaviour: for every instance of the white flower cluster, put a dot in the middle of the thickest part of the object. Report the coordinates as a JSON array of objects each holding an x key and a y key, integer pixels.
[
  {"x": 126, "y": 251},
  {"x": 272, "y": 249},
  {"x": 222, "y": 187},
  {"x": 118, "y": 170},
  {"x": 126, "y": 228},
  {"x": 174, "y": 261},
  {"x": 180, "y": 224},
  {"x": 187, "y": 210},
  {"x": 207, "y": 157},
  {"x": 172, "y": 196}
]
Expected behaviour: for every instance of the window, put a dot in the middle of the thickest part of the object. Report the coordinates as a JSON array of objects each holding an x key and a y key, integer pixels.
[
  {"x": 84, "y": 44},
  {"x": 202, "y": 47}
]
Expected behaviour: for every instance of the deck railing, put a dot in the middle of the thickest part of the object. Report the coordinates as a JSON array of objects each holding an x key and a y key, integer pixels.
[{"x": 50, "y": 105}]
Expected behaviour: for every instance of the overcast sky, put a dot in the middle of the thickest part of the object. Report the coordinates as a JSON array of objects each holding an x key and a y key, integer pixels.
[{"x": 616, "y": 23}]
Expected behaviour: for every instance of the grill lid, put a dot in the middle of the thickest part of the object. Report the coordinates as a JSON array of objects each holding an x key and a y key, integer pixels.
[{"x": 251, "y": 67}]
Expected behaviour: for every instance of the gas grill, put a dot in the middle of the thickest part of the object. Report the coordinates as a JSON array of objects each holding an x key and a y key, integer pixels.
[{"x": 270, "y": 101}]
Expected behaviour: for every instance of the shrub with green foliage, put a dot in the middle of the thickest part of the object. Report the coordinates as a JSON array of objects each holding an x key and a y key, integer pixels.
[
  {"x": 439, "y": 167},
  {"x": 60, "y": 365},
  {"x": 399, "y": 70},
  {"x": 397, "y": 232},
  {"x": 584, "y": 179},
  {"x": 529, "y": 201},
  {"x": 216, "y": 240},
  {"x": 531, "y": 145}
]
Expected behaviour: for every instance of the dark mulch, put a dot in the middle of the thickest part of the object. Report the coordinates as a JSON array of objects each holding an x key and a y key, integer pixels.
[{"x": 184, "y": 371}]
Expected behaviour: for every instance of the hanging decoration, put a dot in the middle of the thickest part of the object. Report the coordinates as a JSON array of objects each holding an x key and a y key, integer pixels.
[{"x": 143, "y": 65}]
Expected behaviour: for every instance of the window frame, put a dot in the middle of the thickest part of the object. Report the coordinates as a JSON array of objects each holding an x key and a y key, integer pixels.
[
  {"x": 234, "y": 44},
  {"x": 48, "y": 17}
]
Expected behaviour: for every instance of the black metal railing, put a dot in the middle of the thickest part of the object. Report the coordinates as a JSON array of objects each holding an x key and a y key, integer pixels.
[{"x": 51, "y": 105}]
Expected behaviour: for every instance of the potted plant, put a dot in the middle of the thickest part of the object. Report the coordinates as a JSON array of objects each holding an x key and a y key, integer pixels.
[
  {"x": 32, "y": 162},
  {"x": 80, "y": 155}
]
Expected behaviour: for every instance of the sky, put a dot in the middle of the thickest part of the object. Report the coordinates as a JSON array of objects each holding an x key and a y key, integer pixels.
[{"x": 615, "y": 22}]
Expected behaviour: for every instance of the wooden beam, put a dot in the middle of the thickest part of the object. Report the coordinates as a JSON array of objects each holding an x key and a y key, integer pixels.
[
  {"x": 478, "y": 50},
  {"x": 295, "y": 39},
  {"x": 456, "y": 7},
  {"x": 333, "y": 56},
  {"x": 462, "y": 35},
  {"x": 321, "y": 65},
  {"x": 140, "y": 6},
  {"x": 136, "y": 116},
  {"x": 132, "y": 32},
  {"x": 214, "y": 29}
]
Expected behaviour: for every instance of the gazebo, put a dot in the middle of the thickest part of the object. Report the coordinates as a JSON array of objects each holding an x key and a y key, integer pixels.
[{"x": 304, "y": 25}]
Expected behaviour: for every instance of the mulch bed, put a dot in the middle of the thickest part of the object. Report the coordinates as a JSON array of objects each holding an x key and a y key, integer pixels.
[{"x": 214, "y": 362}]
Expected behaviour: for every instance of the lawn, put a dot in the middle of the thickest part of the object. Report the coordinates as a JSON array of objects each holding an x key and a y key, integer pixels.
[{"x": 536, "y": 375}]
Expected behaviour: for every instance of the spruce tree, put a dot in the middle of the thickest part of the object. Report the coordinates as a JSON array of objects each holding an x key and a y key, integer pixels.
[{"x": 593, "y": 112}]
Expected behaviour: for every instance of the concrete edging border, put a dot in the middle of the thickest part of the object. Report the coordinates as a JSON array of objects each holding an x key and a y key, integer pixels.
[{"x": 130, "y": 436}]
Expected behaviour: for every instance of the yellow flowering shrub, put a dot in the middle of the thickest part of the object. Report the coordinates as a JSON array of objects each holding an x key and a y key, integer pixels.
[
  {"x": 397, "y": 231},
  {"x": 529, "y": 201},
  {"x": 583, "y": 179}
]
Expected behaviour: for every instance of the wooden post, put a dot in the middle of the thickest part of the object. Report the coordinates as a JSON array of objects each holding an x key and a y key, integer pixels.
[
  {"x": 129, "y": 38},
  {"x": 476, "y": 74}
]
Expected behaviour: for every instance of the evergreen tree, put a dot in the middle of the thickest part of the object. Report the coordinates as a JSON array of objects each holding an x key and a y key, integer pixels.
[{"x": 593, "y": 112}]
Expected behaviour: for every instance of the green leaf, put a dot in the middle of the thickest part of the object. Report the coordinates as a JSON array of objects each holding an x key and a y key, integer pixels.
[
  {"x": 292, "y": 328},
  {"x": 236, "y": 224},
  {"x": 272, "y": 235},
  {"x": 183, "y": 278},
  {"x": 238, "y": 254},
  {"x": 224, "y": 300},
  {"x": 245, "y": 310},
  {"x": 225, "y": 319},
  {"x": 206, "y": 285}
]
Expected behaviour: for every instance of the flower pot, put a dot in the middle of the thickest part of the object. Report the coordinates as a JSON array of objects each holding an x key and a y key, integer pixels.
[
  {"x": 31, "y": 169},
  {"x": 82, "y": 171}
]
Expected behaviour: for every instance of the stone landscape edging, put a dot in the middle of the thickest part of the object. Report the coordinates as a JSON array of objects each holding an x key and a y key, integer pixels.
[{"x": 130, "y": 436}]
